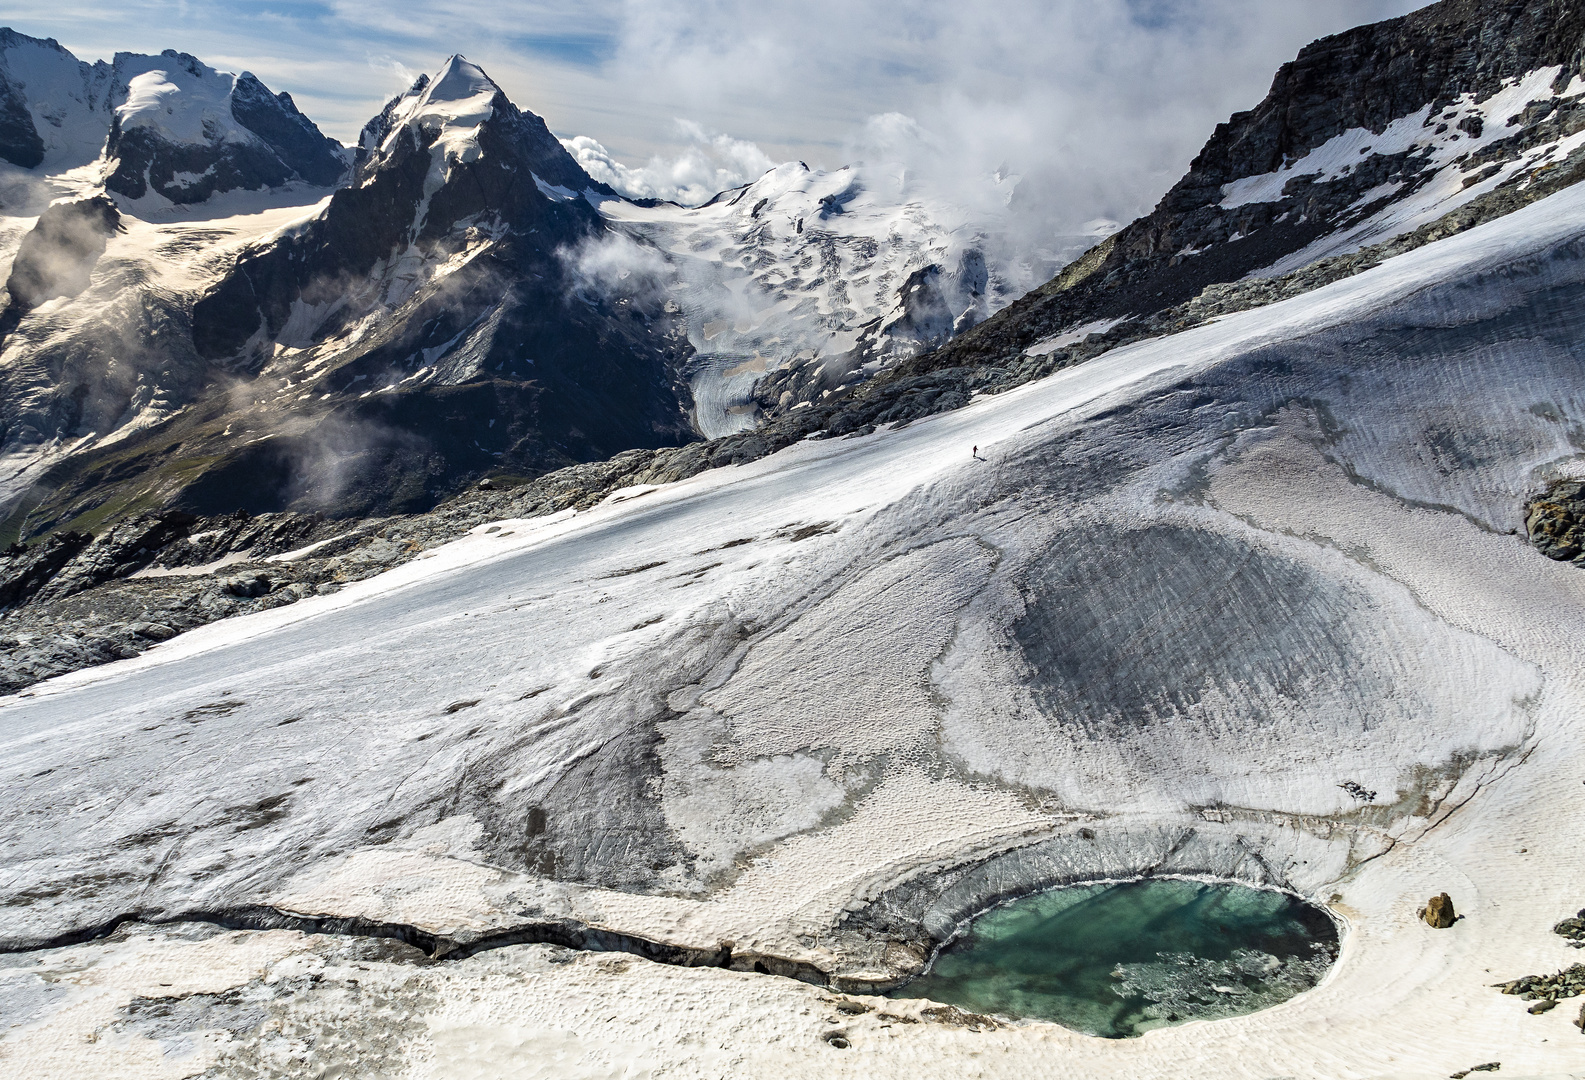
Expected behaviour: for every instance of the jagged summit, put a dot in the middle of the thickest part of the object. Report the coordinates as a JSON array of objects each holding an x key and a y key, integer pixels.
[
  {"x": 186, "y": 131},
  {"x": 449, "y": 109},
  {"x": 167, "y": 125},
  {"x": 460, "y": 115},
  {"x": 459, "y": 80}
]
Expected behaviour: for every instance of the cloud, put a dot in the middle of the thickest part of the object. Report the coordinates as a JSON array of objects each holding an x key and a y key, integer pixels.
[
  {"x": 1095, "y": 106},
  {"x": 614, "y": 266},
  {"x": 708, "y": 164}
]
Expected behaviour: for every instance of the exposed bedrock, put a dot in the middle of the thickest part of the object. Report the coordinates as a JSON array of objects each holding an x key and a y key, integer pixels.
[
  {"x": 56, "y": 257},
  {"x": 1555, "y": 521}
]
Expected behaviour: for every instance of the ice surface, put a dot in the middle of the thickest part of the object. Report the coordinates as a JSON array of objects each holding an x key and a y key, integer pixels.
[
  {"x": 760, "y": 705},
  {"x": 183, "y": 103}
]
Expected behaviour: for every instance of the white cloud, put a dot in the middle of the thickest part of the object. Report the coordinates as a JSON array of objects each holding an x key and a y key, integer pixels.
[
  {"x": 708, "y": 164},
  {"x": 1096, "y": 106},
  {"x": 615, "y": 266}
]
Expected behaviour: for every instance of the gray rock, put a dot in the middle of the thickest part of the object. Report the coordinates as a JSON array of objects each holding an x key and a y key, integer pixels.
[{"x": 248, "y": 585}]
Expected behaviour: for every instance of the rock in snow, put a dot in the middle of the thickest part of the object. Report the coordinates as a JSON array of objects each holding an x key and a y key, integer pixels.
[{"x": 1439, "y": 912}]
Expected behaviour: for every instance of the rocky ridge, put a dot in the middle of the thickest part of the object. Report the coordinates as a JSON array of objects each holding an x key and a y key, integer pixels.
[
  {"x": 1365, "y": 137},
  {"x": 424, "y": 327},
  {"x": 169, "y": 125}
]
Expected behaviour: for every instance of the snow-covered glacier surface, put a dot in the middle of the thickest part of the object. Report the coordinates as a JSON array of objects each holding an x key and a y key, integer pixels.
[
  {"x": 1252, "y": 601},
  {"x": 840, "y": 274}
]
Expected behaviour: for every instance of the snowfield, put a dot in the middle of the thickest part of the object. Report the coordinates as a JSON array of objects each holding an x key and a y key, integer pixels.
[
  {"x": 807, "y": 268},
  {"x": 1251, "y": 601}
]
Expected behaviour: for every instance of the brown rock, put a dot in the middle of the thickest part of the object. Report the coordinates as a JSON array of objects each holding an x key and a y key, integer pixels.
[{"x": 1439, "y": 912}]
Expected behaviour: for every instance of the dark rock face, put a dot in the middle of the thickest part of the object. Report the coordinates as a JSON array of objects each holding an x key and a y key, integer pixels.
[
  {"x": 1364, "y": 78},
  {"x": 20, "y": 143},
  {"x": 1556, "y": 522},
  {"x": 123, "y": 550},
  {"x": 296, "y": 141},
  {"x": 56, "y": 257},
  {"x": 26, "y": 570},
  {"x": 148, "y": 162}
]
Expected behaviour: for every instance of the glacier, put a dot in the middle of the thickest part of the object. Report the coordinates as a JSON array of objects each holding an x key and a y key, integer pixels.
[{"x": 1250, "y": 601}]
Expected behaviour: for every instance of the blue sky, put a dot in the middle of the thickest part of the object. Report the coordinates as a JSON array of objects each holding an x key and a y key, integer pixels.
[{"x": 1098, "y": 104}]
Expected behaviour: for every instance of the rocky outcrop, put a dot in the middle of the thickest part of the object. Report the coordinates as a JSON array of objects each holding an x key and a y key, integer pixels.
[
  {"x": 25, "y": 570},
  {"x": 1564, "y": 984},
  {"x": 1555, "y": 522},
  {"x": 56, "y": 258},
  {"x": 1573, "y": 929},
  {"x": 1439, "y": 912}
]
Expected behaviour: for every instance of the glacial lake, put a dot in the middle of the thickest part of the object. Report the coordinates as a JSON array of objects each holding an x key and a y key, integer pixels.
[{"x": 1116, "y": 960}]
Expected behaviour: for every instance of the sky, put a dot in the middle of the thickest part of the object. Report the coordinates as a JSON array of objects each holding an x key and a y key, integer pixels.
[{"x": 1088, "y": 109}]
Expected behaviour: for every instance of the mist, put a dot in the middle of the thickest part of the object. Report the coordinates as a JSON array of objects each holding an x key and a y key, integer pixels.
[{"x": 1095, "y": 106}]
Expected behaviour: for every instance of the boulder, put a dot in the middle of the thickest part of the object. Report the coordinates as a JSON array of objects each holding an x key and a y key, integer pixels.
[
  {"x": 1439, "y": 912},
  {"x": 248, "y": 586}
]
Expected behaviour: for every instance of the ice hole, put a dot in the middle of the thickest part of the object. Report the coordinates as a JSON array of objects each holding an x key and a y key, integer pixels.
[{"x": 1118, "y": 959}]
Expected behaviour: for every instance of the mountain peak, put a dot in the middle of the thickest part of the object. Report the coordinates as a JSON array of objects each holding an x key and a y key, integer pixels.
[{"x": 460, "y": 80}]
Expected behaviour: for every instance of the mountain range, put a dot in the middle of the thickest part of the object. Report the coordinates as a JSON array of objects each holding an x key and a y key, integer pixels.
[{"x": 468, "y": 622}]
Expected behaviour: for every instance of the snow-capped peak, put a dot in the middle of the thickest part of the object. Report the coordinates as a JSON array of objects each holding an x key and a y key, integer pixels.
[
  {"x": 459, "y": 80},
  {"x": 450, "y": 109},
  {"x": 184, "y": 101},
  {"x": 454, "y": 103}
]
